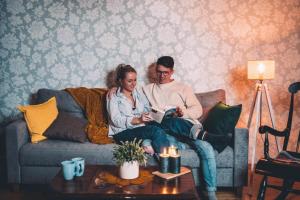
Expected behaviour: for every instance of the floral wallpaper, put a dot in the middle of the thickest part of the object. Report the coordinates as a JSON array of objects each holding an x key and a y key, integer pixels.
[{"x": 71, "y": 43}]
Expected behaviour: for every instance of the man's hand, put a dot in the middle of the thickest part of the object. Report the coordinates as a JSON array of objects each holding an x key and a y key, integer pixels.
[
  {"x": 178, "y": 113},
  {"x": 111, "y": 92}
]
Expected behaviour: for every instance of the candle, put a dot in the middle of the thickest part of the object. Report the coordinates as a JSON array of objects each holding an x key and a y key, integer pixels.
[
  {"x": 164, "y": 162},
  {"x": 174, "y": 160},
  {"x": 172, "y": 150}
]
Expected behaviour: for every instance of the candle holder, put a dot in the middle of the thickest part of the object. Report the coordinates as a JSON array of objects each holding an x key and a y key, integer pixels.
[
  {"x": 164, "y": 162},
  {"x": 174, "y": 160},
  {"x": 175, "y": 163}
]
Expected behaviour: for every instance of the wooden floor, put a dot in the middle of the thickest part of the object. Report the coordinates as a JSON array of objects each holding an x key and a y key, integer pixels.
[
  {"x": 38, "y": 192},
  {"x": 270, "y": 193}
]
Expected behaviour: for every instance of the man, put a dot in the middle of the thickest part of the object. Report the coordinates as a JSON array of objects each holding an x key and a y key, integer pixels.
[{"x": 168, "y": 92}]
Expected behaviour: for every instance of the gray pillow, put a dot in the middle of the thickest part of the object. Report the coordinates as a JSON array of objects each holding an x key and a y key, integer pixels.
[
  {"x": 65, "y": 102},
  {"x": 209, "y": 99},
  {"x": 67, "y": 127}
]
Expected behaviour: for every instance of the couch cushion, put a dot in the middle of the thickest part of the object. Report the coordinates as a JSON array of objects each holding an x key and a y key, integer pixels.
[
  {"x": 39, "y": 118},
  {"x": 67, "y": 127},
  {"x": 222, "y": 118},
  {"x": 220, "y": 123},
  {"x": 52, "y": 152},
  {"x": 65, "y": 101},
  {"x": 223, "y": 159},
  {"x": 209, "y": 100}
]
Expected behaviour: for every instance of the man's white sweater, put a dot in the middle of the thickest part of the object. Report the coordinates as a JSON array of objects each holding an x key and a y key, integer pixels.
[{"x": 176, "y": 94}]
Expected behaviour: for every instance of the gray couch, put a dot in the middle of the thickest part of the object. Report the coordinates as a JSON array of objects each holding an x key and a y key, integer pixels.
[{"x": 38, "y": 163}]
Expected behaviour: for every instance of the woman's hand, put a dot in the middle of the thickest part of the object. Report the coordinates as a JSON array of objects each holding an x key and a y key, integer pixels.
[{"x": 146, "y": 117}]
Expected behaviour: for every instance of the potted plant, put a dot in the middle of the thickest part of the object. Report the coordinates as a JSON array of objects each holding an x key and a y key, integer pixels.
[{"x": 129, "y": 155}]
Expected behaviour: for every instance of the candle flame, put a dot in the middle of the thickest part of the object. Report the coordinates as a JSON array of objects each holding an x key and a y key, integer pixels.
[
  {"x": 164, "y": 151},
  {"x": 172, "y": 150}
]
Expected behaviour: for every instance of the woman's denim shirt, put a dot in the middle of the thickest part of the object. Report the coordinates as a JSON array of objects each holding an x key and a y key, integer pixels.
[{"x": 121, "y": 111}]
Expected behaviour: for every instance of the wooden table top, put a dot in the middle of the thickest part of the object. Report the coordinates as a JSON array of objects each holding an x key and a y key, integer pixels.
[{"x": 84, "y": 187}]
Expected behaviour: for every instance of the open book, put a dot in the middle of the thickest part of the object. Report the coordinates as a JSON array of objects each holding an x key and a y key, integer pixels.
[{"x": 158, "y": 115}]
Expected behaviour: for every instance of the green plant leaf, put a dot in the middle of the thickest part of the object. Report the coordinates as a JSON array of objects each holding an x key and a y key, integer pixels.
[{"x": 129, "y": 151}]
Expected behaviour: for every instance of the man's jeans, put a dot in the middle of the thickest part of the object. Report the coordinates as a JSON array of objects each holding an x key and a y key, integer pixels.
[
  {"x": 156, "y": 134},
  {"x": 208, "y": 163},
  {"x": 179, "y": 127}
]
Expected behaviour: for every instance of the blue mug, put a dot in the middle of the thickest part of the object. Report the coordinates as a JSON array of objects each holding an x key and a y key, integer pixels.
[
  {"x": 79, "y": 166},
  {"x": 68, "y": 168}
]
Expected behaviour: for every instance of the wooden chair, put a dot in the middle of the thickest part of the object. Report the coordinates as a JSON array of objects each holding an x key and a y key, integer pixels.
[{"x": 286, "y": 165}]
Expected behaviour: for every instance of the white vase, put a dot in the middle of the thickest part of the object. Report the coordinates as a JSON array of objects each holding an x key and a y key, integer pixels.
[{"x": 129, "y": 170}]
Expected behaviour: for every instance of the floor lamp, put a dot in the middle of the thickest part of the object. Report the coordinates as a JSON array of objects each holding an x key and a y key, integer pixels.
[{"x": 259, "y": 70}]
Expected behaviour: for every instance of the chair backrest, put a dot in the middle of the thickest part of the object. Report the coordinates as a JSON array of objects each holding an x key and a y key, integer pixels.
[{"x": 293, "y": 89}]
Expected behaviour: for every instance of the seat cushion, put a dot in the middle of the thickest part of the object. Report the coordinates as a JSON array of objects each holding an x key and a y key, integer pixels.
[
  {"x": 225, "y": 158},
  {"x": 278, "y": 168},
  {"x": 52, "y": 152}
]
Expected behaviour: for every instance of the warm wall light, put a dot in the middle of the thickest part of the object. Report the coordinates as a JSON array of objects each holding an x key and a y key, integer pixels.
[{"x": 261, "y": 69}]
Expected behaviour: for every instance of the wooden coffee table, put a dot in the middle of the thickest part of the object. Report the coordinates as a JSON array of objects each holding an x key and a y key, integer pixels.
[{"x": 84, "y": 187}]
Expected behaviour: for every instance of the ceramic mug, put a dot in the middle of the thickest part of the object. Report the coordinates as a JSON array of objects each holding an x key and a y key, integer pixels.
[
  {"x": 68, "y": 168},
  {"x": 79, "y": 166}
]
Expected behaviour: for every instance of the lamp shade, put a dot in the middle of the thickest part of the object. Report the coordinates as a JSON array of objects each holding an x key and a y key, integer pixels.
[{"x": 261, "y": 69}]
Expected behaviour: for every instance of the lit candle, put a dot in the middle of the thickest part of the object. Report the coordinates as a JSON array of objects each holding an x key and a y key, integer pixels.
[
  {"x": 174, "y": 160},
  {"x": 172, "y": 150},
  {"x": 164, "y": 161}
]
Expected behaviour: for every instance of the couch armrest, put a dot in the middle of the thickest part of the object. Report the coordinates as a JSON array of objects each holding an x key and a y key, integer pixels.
[
  {"x": 240, "y": 173},
  {"x": 16, "y": 136}
]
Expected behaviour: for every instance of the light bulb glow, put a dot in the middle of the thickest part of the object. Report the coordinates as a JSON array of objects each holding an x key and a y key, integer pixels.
[{"x": 261, "y": 69}]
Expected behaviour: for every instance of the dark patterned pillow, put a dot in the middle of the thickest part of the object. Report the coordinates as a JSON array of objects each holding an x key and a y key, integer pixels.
[
  {"x": 67, "y": 127},
  {"x": 222, "y": 118},
  {"x": 220, "y": 123}
]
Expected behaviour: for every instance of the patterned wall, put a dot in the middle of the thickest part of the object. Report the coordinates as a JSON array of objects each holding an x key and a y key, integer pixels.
[{"x": 71, "y": 43}]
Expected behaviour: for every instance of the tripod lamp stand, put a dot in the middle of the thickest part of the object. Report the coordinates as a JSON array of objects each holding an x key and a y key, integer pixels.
[{"x": 259, "y": 70}]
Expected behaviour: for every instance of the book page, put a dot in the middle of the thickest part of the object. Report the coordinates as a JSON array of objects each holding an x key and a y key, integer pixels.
[{"x": 157, "y": 114}]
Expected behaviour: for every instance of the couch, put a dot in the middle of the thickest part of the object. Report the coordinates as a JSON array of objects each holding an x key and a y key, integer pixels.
[{"x": 29, "y": 163}]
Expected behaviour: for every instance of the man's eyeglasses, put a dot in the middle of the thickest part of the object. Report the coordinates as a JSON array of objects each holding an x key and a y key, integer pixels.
[{"x": 165, "y": 73}]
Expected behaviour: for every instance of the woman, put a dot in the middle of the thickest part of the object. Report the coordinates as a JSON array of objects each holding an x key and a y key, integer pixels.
[{"x": 128, "y": 113}]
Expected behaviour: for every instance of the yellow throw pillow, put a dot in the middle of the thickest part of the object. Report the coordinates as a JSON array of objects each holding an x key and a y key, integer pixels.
[{"x": 39, "y": 118}]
